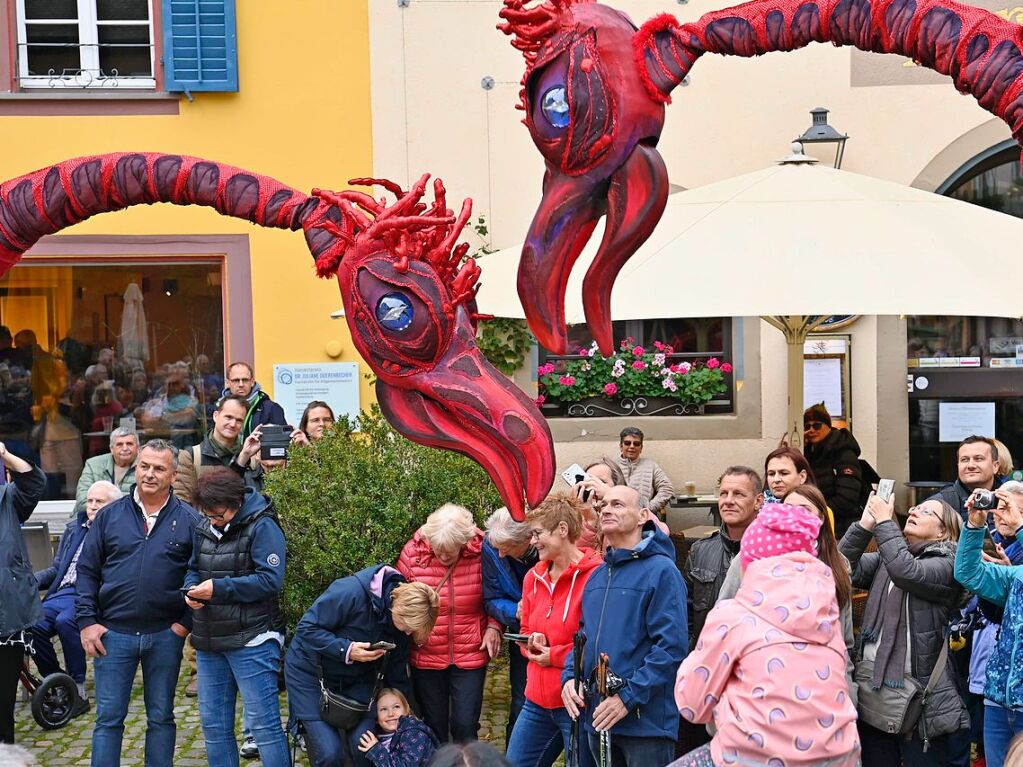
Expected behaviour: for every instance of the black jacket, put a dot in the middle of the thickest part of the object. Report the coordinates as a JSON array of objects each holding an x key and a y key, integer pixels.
[
  {"x": 128, "y": 581},
  {"x": 934, "y": 596},
  {"x": 835, "y": 463},
  {"x": 705, "y": 570},
  {"x": 19, "y": 591},
  {"x": 246, "y": 564}
]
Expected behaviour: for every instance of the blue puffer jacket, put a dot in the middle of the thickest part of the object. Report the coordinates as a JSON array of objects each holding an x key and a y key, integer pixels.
[
  {"x": 634, "y": 609},
  {"x": 1004, "y": 586},
  {"x": 502, "y": 584}
]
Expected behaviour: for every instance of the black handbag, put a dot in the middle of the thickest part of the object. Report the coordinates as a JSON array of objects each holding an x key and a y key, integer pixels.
[{"x": 345, "y": 713}]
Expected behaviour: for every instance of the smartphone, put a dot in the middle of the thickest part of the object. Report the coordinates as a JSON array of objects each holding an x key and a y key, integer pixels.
[
  {"x": 516, "y": 637},
  {"x": 185, "y": 589},
  {"x": 885, "y": 488},
  {"x": 574, "y": 474},
  {"x": 382, "y": 646}
]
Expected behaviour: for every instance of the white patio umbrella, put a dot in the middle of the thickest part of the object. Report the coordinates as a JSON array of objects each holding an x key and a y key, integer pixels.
[
  {"x": 133, "y": 342},
  {"x": 796, "y": 243}
]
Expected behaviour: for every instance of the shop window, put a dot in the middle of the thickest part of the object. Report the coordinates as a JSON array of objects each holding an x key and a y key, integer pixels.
[
  {"x": 995, "y": 181},
  {"x": 691, "y": 339},
  {"x": 85, "y": 44},
  {"x": 88, "y": 347},
  {"x": 963, "y": 342}
]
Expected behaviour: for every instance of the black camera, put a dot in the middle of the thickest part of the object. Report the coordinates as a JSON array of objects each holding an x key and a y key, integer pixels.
[
  {"x": 985, "y": 500},
  {"x": 273, "y": 442}
]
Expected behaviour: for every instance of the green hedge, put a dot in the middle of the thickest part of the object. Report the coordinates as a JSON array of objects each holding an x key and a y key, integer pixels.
[{"x": 357, "y": 496}]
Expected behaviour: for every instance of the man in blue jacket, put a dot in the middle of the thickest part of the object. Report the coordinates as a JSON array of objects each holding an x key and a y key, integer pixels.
[
  {"x": 633, "y": 610},
  {"x": 59, "y": 581},
  {"x": 130, "y": 606}
]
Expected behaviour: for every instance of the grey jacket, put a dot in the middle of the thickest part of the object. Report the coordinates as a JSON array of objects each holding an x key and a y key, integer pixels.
[
  {"x": 649, "y": 480},
  {"x": 19, "y": 591},
  {"x": 934, "y": 596},
  {"x": 730, "y": 587},
  {"x": 98, "y": 468},
  {"x": 704, "y": 572}
]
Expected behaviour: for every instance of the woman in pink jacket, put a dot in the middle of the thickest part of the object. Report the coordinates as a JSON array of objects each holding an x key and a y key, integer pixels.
[
  {"x": 449, "y": 670},
  {"x": 769, "y": 665}
]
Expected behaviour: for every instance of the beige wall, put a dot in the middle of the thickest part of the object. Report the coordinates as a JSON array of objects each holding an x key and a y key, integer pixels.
[{"x": 738, "y": 115}]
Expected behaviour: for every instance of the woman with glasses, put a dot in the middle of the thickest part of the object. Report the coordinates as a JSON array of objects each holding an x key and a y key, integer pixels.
[
  {"x": 552, "y": 596},
  {"x": 912, "y": 595},
  {"x": 316, "y": 419}
]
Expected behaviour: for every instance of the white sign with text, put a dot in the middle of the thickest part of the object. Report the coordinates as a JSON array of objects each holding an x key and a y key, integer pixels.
[{"x": 336, "y": 383}]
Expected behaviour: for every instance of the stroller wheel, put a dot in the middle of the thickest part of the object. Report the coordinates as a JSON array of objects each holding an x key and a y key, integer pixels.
[{"x": 55, "y": 701}]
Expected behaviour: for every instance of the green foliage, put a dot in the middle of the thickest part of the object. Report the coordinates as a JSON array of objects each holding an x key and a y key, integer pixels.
[
  {"x": 633, "y": 371},
  {"x": 504, "y": 342},
  {"x": 356, "y": 496}
]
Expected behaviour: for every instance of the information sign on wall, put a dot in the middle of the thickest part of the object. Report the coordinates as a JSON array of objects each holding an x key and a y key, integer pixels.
[
  {"x": 959, "y": 420},
  {"x": 336, "y": 383}
]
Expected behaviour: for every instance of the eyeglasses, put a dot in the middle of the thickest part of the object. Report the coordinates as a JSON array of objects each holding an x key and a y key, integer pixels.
[
  {"x": 239, "y": 380},
  {"x": 627, "y": 443},
  {"x": 925, "y": 510},
  {"x": 813, "y": 425}
]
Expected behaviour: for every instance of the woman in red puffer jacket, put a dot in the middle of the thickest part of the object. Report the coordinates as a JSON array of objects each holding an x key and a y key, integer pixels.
[{"x": 449, "y": 670}]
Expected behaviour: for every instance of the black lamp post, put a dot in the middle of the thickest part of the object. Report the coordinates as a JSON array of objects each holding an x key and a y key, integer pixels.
[{"x": 820, "y": 132}]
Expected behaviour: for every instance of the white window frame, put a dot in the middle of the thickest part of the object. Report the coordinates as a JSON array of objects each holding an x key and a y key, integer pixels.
[{"x": 88, "y": 41}]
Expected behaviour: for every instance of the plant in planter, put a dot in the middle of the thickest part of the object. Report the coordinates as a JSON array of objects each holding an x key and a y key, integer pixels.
[{"x": 631, "y": 377}]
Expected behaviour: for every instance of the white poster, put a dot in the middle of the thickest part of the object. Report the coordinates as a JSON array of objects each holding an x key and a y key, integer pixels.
[
  {"x": 959, "y": 420},
  {"x": 336, "y": 383},
  {"x": 822, "y": 382}
]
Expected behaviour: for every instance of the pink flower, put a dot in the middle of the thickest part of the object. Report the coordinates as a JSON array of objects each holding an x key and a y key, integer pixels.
[
  {"x": 540, "y": 400},
  {"x": 545, "y": 369},
  {"x": 669, "y": 384},
  {"x": 566, "y": 381},
  {"x": 713, "y": 363},
  {"x": 659, "y": 359},
  {"x": 726, "y": 368},
  {"x": 637, "y": 351},
  {"x": 639, "y": 365},
  {"x": 659, "y": 346},
  {"x": 617, "y": 371},
  {"x": 583, "y": 351},
  {"x": 610, "y": 389}
]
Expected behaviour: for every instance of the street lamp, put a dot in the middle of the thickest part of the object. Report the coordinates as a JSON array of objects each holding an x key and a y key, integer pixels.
[{"x": 820, "y": 132}]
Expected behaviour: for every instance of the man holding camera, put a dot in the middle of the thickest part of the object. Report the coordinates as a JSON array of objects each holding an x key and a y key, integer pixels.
[
  {"x": 220, "y": 447},
  {"x": 977, "y": 463}
]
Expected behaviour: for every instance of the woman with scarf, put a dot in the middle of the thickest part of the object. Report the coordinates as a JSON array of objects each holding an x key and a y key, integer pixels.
[{"x": 912, "y": 595}]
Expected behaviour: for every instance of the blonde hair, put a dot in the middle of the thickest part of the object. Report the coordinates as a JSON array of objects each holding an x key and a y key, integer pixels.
[
  {"x": 558, "y": 508},
  {"x": 449, "y": 527},
  {"x": 417, "y": 605},
  {"x": 397, "y": 694},
  {"x": 1005, "y": 462}
]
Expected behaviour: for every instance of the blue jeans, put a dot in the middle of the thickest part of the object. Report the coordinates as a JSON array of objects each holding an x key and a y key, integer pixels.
[
  {"x": 541, "y": 734},
  {"x": 160, "y": 656},
  {"x": 630, "y": 751},
  {"x": 327, "y": 746},
  {"x": 59, "y": 620},
  {"x": 1001, "y": 725},
  {"x": 517, "y": 665},
  {"x": 253, "y": 672},
  {"x": 451, "y": 701}
]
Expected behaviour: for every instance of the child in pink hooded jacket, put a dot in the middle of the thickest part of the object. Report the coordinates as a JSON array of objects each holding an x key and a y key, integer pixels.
[{"x": 769, "y": 665}]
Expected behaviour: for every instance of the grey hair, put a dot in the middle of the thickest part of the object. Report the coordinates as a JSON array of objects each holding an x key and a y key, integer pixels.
[
  {"x": 1013, "y": 486},
  {"x": 745, "y": 471},
  {"x": 113, "y": 491},
  {"x": 449, "y": 527},
  {"x": 122, "y": 431},
  {"x": 163, "y": 446},
  {"x": 15, "y": 756},
  {"x": 503, "y": 529}
]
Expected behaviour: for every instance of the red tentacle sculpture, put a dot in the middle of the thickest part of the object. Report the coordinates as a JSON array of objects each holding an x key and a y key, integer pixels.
[
  {"x": 594, "y": 91},
  {"x": 408, "y": 291}
]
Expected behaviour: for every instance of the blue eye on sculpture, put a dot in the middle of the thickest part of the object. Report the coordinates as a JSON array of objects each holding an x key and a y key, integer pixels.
[
  {"x": 555, "y": 106},
  {"x": 394, "y": 312}
]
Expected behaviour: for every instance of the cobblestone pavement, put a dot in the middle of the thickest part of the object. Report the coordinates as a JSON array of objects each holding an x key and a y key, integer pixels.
[{"x": 72, "y": 744}]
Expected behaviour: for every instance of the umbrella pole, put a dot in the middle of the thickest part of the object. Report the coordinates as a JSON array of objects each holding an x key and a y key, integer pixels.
[{"x": 795, "y": 328}]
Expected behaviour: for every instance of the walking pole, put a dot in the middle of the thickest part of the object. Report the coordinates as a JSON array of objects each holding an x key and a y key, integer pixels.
[
  {"x": 578, "y": 643},
  {"x": 605, "y": 736}
]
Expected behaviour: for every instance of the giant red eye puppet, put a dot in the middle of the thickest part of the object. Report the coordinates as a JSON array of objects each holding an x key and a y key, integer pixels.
[
  {"x": 594, "y": 91},
  {"x": 408, "y": 291}
]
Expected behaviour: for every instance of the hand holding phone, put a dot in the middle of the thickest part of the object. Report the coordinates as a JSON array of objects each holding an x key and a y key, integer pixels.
[
  {"x": 185, "y": 589},
  {"x": 517, "y": 638},
  {"x": 382, "y": 646},
  {"x": 885, "y": 489},
  {"x": 574, "y": 474}
]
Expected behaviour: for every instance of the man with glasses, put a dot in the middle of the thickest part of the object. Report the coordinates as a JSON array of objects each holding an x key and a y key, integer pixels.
[
  {"x": 643, "y": 474},
  {"x": 834, "y": 456},
  {"x": 220, "y": 448},
  {"x": 241, "y": 382}
]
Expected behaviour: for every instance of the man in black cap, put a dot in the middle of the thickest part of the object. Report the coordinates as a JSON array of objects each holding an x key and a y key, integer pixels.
[{"x": 834, "y": 456}]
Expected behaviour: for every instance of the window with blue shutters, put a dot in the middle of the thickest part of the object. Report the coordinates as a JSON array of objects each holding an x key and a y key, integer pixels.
[{"x": 200, "y": 45}]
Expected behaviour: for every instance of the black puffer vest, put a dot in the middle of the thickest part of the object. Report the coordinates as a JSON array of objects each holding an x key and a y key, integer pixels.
[{"x": 219, "y": 626}]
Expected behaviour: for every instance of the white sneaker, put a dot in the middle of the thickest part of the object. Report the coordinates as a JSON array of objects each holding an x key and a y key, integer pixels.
[{"x": 249, "y": 749}]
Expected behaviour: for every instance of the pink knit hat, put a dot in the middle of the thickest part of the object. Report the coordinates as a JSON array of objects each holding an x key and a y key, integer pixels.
[{"x": 779, "y": 529}]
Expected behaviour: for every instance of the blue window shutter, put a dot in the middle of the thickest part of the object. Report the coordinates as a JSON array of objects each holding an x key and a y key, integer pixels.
[{"x": 200, "y": 45}]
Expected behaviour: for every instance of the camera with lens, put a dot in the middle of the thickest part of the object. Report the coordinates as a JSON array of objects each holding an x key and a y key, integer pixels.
[
  {"x": 985, "y": 500},
  {"x": 273, "y": 442}
]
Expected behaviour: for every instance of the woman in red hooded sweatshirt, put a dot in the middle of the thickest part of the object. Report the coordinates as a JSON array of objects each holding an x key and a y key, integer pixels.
[
  {"x": 552, "y": 594},
  {"x": 449, "y": 670}
]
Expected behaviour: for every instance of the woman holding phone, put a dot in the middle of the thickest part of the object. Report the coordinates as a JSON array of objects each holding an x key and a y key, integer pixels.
[{"x": 552, "y": 596}]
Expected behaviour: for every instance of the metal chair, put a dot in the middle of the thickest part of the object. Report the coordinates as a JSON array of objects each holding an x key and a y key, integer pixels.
[{"x": 38, "y": 543}]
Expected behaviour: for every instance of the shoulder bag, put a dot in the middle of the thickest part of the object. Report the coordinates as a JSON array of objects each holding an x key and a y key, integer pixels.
[
  {"x": 342, "y": 712},
  {"x": 896, "y": 710}
]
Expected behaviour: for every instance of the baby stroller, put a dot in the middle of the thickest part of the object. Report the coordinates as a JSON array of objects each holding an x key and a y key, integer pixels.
[{"x": 55, "y": 699}]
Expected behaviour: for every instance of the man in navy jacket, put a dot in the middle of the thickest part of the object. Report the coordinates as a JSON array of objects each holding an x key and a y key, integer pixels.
[
  {"x": 634, "y": 610},
  {"x": 130, "y": 607}
]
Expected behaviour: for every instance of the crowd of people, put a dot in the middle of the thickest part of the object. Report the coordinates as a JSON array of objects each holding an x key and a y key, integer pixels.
[{"x": 744, "y": 650}]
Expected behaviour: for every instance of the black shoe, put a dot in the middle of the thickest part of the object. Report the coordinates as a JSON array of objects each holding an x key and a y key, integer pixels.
[{"x": 81, "y": 706}]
